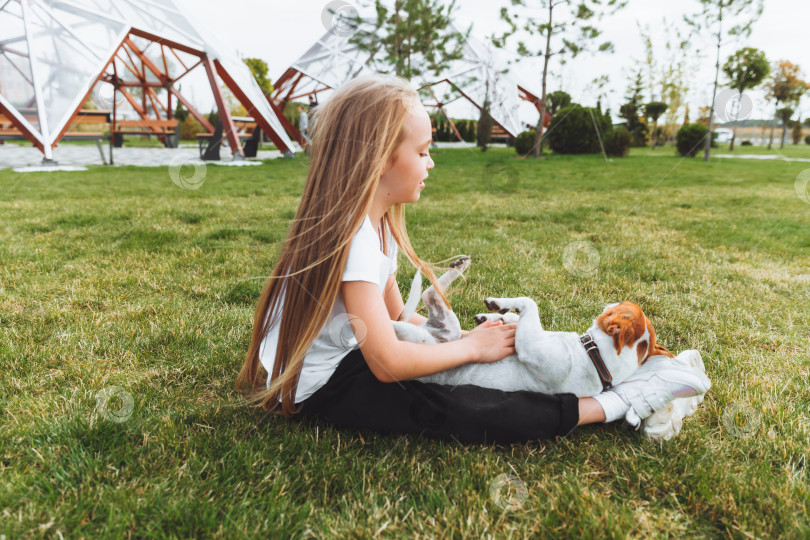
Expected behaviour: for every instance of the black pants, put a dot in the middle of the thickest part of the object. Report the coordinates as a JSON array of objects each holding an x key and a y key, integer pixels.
[{"x": 354, "y": 398}]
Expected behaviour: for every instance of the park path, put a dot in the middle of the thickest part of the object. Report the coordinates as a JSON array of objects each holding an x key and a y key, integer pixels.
[
  {"x": 756, "y": 156},
  {"x": 14, "y": 156}
]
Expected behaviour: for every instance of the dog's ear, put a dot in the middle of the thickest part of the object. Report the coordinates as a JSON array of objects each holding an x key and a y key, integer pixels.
[
  {"x": 655, "y": 348},
  {"x": 621, "y": 322},
  {"x": 641, "y": 351}
]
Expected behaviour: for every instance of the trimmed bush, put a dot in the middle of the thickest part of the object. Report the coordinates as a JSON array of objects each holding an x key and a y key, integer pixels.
[
  {"x": 807, "y": 139},
  {"x": 690, "y": 139},
  {"x": 524, "y": 142},
  {"x": 571, "y": 130},
  {"x": 617, "y": 142},
  {"x": 746, "y": 142}
]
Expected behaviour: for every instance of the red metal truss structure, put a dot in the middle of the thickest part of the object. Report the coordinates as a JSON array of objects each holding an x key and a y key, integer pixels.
[{"x": 55, "y": 53}]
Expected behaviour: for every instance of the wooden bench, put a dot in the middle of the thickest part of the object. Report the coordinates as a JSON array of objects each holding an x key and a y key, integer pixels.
[
  {"x": 501, "y": 135},
  {"x": 10, "y": 133},
  {"x": 160, "y": 128},
  {"x": 244, "y": 130}
]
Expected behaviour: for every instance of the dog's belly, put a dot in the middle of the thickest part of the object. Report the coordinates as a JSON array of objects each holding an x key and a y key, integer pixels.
[
  {"x": 557, "y": 364},
  {"x": 509, "y": 375}
]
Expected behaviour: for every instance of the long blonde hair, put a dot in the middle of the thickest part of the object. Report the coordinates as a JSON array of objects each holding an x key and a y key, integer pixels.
[{"x": 354, "y": 135}]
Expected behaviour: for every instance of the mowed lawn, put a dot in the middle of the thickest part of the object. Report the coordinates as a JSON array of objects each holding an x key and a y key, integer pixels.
[{"x": 117, "y": 277}]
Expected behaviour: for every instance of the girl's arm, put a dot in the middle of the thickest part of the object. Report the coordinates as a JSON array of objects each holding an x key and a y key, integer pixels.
[{"x": 392, "y": 360}]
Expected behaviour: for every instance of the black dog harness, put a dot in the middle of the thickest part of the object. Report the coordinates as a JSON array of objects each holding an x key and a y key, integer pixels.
[{"x": 598, "y": 363}]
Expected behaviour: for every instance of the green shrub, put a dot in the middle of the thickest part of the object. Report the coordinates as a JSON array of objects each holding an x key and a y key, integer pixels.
[
  {"x": 617, "y": 142},
  {"x": 690, "y": 139},
  {"x": 524, "y": 142},
  {"x": 189, "y": 129},
  {"x": 807, "y": 139},
  {"x": 571, "y": 130},
  {"x": 746, "y": 142}
]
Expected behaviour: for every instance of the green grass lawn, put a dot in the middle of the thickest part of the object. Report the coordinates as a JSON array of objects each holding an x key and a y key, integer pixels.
[
  {"x": 118, "y": 277},
  {"x": 790, "y": 150}
]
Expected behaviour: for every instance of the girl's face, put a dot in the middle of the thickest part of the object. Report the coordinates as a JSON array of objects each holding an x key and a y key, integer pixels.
[{"x": 403, "y": 179}]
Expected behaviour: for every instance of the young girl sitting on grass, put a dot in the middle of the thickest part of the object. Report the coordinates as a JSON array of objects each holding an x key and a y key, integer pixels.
[{"x": 323, "y": 343}]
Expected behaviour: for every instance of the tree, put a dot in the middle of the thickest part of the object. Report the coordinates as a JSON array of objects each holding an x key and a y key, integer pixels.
[
  {"x": 653, "y": 110},
  {"x": 796, "y": 133},
  {"x": 180, "y": 112},
  {"x": 574, "y": 27},
  {"x": 557, "y": 100},
  {"x": 631, "y": 111},
  {"x": 259, "y": 69},
  {"x": 213, "y": 117},
  {"x": 675, "y": 65},
  {"x": 413, "y": 39},
  {"x": 784, "y": 114},
  {"x": 785, "y": 86},
  {"x": 744, "y": 13},
  {"x": 484, "y": 130},
  {"x": 745, "y": 69}
]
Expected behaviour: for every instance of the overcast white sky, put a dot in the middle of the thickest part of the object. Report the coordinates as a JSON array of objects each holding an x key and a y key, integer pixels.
[{"x": 281, "y": 31}]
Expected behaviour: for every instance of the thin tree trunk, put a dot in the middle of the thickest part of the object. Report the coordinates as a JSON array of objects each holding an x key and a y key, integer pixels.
[
  {"x": 654, "y": 138},
  {"x": 773, "y": 126},
  {"x": 708, "y": 149},
  {"x": 537, "y": 149},
  {"x": 397, "y": 38},
  {"x": 734, "y": 128},
  {"x": 784, "y": 134}
]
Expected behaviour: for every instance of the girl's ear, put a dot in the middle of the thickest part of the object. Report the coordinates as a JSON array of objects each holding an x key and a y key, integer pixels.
[{"x": 392, "y": 159}]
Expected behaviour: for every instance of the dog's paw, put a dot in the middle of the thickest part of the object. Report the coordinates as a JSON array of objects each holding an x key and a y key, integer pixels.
[
  {"x": 493, "y": 305},
  {"x": 481, "y": 318},
  {"x": 462, "y": 263}
]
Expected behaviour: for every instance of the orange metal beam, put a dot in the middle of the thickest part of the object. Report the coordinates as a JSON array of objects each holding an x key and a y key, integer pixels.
[
  {"x": 224, "y": 113},
  {"x": 194, "y": 112},
  {"x": 19, "y": 125},
  {"x": 266, "y": 128},
  {"x": 288, "y": 126},
  {"x": 89, "y": 92}
]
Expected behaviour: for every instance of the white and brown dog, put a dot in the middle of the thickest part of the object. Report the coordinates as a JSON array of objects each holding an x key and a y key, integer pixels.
[{"x": 620, "y": 339}]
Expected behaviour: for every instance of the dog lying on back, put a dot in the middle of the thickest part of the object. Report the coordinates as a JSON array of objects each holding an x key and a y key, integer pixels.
[{"x": 545, "y": 361}]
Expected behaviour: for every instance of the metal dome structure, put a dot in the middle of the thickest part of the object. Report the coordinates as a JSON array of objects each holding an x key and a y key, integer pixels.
[
  {"x": 334, "y": 60},
  {"x": 53, "y": 53}
]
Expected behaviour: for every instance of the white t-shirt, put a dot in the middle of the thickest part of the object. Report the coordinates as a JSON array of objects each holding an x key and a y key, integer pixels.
[{"x": 366, "y": 262}]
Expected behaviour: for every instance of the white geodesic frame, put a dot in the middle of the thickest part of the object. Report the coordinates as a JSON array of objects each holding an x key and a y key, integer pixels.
[
  {"x": 41, "y": 68},
  {"x": 333, "y": 60}
]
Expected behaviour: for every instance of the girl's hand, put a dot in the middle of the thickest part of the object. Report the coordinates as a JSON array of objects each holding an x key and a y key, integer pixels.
[
  {"x": 485, "y": 324},
  {"x": 491, "y": 341}
]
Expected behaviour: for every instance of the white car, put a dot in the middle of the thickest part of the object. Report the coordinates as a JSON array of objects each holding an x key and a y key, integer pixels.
[{"x": 723, "y": 134}]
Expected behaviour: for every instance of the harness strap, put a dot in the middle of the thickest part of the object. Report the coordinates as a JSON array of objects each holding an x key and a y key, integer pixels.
[{"x": 596, "y": 358}]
